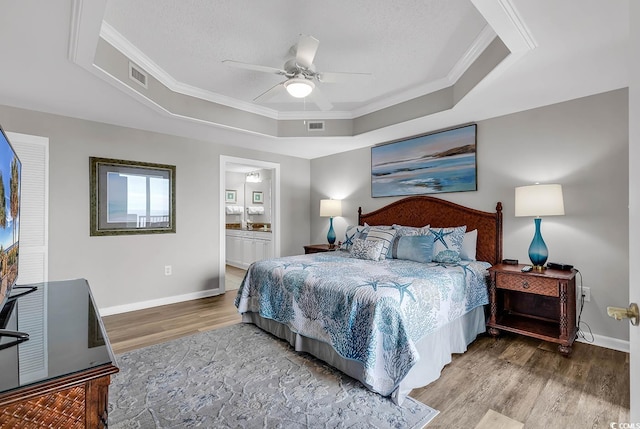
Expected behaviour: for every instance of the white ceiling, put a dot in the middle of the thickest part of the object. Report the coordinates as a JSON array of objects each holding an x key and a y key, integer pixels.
[
  {"x": 404, "y": 43},
  {"x": 560, "y": 50}
]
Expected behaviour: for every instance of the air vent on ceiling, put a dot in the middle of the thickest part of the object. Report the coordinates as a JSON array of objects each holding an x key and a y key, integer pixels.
[
  {"x": 315, "y": 126},
  {"x": 137, "y": 74}
]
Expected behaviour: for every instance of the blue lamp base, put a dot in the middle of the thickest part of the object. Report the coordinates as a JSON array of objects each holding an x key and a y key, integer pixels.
[
  {"x": 331, "y": 235},
  {"x": 538, "y": 252}
]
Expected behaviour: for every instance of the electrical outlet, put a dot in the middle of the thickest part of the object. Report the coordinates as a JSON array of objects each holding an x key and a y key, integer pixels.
[
  {"x": 586, "y": 291},
  {"x": 167, "y": 270}
]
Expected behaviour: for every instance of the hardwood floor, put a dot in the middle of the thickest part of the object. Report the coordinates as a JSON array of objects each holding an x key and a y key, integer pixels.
[
  {"x": 519, "y": 377},
  {"x": 128, "y": 331},
  {"x": 528, "y": 381},
  {"x": 233, "y": 278}
]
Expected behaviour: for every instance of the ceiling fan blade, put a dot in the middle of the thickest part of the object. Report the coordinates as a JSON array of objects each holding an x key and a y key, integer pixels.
[
  {"x": 306, "y": 51},
  {"x": 332, "y": 77},
  {"x": 254, "y": 67},
  {"x": 269, "y": 92},
  {"x": 321, "y": 101}
]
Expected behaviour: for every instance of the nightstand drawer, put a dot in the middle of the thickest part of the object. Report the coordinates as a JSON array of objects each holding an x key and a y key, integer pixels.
[{"x": 528, "y": 284}]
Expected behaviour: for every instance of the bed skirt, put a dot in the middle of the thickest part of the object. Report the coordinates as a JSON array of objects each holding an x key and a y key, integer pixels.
[{"x": 435, "y": 349}]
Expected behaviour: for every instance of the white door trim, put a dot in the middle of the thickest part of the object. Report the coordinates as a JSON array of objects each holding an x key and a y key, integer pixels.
[
  {"x": 634, "y": 204},
  {"x": 275, "y": 220}
]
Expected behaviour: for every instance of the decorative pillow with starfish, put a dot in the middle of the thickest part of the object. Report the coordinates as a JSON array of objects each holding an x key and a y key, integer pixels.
[
  {"x": 353, "y": 232},
  {"x": 447, "y": 244}
]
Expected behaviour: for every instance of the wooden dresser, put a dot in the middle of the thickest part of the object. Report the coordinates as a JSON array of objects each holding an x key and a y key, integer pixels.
[
  {"x": 69, "y": 386},
  {"x": 539, "y": 304}
]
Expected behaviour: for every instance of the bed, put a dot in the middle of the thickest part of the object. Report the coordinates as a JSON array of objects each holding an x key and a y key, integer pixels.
[{"x": 393, "y": 322}]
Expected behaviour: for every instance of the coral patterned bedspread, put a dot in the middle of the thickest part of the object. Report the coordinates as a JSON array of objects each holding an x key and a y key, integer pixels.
[{"x": 373, "y": 312}]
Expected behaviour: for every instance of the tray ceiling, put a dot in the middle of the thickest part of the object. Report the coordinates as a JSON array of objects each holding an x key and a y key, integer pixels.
[{"x": 435, "y": 64}]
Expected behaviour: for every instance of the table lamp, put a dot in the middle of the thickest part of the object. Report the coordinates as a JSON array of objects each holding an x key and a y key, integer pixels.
[
  {"x": 330, "y": 209},
  {"x": 539, "y": 200}
]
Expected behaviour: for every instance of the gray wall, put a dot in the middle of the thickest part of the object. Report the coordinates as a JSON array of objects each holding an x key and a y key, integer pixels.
[
  {"x": 581, "y": 144},
  {"x": 129, "y": 269}
]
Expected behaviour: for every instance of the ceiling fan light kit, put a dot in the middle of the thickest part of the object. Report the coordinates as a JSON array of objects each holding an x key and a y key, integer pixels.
[
  {"x": 299, "y": 87},
  {"x": 300, "y": 73}
]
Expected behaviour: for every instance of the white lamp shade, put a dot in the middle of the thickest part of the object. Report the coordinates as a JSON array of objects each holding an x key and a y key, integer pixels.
[
  {"x": 299, "y": 87},
  {"x": 330, "y": 208},
  {"x": 539, "y": 200}
]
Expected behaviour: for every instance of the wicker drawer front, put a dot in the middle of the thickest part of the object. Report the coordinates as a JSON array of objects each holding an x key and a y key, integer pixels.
[
  {"x": 529, "y": 284},
  {"x": 63, "y": 409}
]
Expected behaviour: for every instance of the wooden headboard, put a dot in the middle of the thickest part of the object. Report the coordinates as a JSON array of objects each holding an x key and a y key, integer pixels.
[{"x": 424, "y": 210}]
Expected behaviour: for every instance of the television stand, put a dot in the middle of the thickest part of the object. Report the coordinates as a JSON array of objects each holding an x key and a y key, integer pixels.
[{"x": 72, "y": 390}]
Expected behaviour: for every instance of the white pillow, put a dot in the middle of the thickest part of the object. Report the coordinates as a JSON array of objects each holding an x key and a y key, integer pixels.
[
  {"x": 469, "y": 244},
  {"x": 384, "y": 235},
  {"x": 366, "y": 249}
]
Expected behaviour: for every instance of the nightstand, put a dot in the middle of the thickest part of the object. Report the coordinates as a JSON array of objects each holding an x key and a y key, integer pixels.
[
  {"x": 539, "y": 304},
  {"x": 317, "y": 248}
]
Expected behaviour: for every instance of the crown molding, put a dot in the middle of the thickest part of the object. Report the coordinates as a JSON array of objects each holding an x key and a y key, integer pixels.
[
  {"x": 481, "y": 42},
  {"x": 505, "y": 19},
  {"x": 88, "y": 27},
  {"x": 484, "y": 39},
  {"x": 74, "y": 31},
  {"x": 518, "y": 24},
  {"x": 119, "y": 42}
]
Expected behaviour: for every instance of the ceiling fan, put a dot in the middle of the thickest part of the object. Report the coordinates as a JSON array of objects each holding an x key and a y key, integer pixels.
[{"x": 301, "y": 74}]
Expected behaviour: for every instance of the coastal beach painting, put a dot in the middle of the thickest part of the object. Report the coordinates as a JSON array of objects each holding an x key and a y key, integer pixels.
[{"x": 433, "y": 163}]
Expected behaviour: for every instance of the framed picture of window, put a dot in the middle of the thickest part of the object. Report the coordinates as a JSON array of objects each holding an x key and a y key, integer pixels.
[
  {"x": 230, "y": 196},
  {"x": 257, "y": 197},
  {"x": 130, "y": 197}
]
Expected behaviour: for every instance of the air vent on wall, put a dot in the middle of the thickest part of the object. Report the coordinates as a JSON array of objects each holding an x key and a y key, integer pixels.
[
  {"x": 315, "y": 126},
  {"x": 137, "y": 74}
]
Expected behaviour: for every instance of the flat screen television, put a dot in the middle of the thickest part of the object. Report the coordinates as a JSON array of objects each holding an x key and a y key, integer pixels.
[{"x": 10, "y": 176}]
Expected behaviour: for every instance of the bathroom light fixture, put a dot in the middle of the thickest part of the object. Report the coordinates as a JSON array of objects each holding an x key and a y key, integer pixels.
[
  {"x": 330, "y": 209},
  {"x": 253, "y": 177},
  {"x": 299, "y": 87},
  {"x": 539, "y": 200}
]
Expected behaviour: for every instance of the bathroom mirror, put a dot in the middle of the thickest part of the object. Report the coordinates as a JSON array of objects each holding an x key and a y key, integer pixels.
[{"x": 252, "y": 209}]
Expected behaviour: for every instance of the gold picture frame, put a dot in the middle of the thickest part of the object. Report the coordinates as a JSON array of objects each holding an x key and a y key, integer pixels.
[{"x": 131, "y": 197}]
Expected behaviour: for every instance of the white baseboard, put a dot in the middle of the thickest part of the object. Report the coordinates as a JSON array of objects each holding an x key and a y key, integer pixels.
[
  {"x": 608, "y": 342},
  {"x": 117, "y": 309}
]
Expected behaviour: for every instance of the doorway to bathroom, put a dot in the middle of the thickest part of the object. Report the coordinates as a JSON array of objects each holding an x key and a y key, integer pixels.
[{"x": 250, "y": 216}]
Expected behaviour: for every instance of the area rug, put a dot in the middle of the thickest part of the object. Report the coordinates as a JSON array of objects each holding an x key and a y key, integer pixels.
[{"x": 242, "y": 377}]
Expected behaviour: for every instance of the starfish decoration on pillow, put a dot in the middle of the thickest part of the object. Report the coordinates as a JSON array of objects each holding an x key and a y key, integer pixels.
[
  {"x": 348, "y": 239},
  {"x": 439, "y": 236}
]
